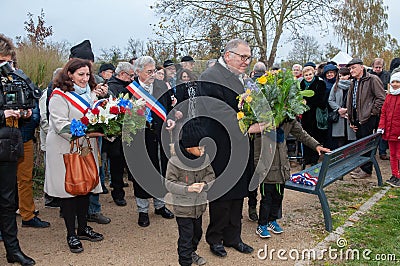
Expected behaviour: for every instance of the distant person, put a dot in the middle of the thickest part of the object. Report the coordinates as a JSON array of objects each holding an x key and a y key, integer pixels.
[
  {"x": 364, "y": 102},
  {"x": 105, "y": 73},
  {"x": 170, "y": 73},
  {"x": 211, "y": 62},
  {"x": 378, "y": 69},
  {"x": 389, "y": 126},
  {"x": 188, "y": 62},
  {"x": 259, "y": 69},
  {"x": 297, "y": 72},
  {"x": 189, "y": 175}
]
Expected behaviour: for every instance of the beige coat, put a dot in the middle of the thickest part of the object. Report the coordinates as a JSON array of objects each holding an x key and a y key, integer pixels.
[{"x": 61, "y": 114}]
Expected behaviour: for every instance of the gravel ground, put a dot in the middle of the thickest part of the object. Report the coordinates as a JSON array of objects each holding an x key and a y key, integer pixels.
[{"x": 126, "y": 243}]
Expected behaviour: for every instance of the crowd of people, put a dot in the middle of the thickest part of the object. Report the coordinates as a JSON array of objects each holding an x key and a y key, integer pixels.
[{"x": 210, "y": 160}]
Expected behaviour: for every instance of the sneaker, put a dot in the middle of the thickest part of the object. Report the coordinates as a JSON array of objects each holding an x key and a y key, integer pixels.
[
  {"x": 74, "y": 244},
  {"x": 395, "y": 183},
  {"x": 98, "y": 218},
  {"x": 253, "y": 214},
  {"x": 89, "y": 234},
  {"x": 262, "y": 231},
  {"x": 36, "y": 223},
  {"x": 197, "y": 259},
  {"x": 274, "y": 227},
  {"x": 361, "y": 175},
  {"x": 391, "y": 180},
  {"x": 356, "y": 171}
]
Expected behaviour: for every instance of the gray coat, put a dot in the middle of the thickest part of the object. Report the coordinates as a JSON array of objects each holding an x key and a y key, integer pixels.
[
  {"x": 179, "y": 177},
  {"x": 335, "y": 102},
  {"x": 61, "y": 114}
]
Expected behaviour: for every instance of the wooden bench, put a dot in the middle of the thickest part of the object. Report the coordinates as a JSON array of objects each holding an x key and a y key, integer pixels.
[{"x": 335, "y": 165}]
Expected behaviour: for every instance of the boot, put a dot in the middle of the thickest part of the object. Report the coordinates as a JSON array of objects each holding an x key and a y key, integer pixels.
[
  {"x": 20, "y": 257},
  {"x": 9, "y": 233}
]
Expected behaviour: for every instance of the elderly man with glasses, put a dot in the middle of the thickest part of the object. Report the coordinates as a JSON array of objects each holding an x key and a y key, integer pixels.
[{"x": 222, "y": 83}]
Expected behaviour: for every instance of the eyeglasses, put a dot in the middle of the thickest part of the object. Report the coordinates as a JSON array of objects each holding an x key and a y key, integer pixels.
[
  {"x": 10, "y": 62},
  {"x": 151, "y": 71},
  {"x": 130, "y": 75},
  {"x": 243, "y": 57}
]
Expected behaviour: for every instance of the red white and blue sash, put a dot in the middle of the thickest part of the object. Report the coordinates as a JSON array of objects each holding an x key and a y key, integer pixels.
[
  {"x": 151, "y": 102},
  {"x": 75, "y": 99}
]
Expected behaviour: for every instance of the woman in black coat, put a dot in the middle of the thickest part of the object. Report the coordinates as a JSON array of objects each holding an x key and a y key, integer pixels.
[{"x": 308, "y": 120}]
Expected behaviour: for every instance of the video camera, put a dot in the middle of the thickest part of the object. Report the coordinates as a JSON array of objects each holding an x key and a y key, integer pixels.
[{"x": 18, "y": 91}]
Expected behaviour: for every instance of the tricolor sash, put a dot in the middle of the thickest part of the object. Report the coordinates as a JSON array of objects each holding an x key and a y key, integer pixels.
[
  {"x": 75, "y": 99},
  {"x": 151, "y": 102}
]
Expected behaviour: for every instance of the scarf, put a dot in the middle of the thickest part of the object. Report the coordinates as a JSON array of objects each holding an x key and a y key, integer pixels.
[
  {"x": 393, "y": 91},
  {"x": 308, "y": 83},
  {"x": 85, "y": 93}
]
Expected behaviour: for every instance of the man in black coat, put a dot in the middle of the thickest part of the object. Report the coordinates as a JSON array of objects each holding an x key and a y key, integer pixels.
[{"x": 221, "y": 84}]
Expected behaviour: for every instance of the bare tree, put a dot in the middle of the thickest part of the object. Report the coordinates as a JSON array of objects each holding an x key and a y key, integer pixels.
[
  {"x": 36, "y": 33},
  {"x": 306, "y": 49},
  {"x": 260, "y": 22}
]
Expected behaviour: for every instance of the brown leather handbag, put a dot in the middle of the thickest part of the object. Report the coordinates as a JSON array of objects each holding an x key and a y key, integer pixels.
[{"x": 81, "y": 171}]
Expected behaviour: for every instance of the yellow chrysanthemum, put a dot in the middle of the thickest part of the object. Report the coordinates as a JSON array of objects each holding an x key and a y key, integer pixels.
[
  {"x": 240, "y": 115},
  {"x": 249, "y": 99},
  {"x": 262, "y": 80},
  {"x": 248, "y": 91}
]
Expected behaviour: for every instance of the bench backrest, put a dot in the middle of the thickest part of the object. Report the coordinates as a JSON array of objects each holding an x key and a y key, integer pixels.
[{"x": 351, "y": 150}]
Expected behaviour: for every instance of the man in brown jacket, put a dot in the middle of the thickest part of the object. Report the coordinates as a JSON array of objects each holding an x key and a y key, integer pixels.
[{"x": 364, "y": 102}]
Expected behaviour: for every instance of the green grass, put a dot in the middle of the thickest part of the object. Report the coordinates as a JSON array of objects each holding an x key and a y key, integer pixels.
[{"x": 377, "y": 231}]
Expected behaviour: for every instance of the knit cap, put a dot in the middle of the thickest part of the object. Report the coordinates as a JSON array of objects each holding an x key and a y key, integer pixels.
[
  {"x": 395, "y": 76},
  {"x": 192, "y": 133},
  {"x": 82, "y": 50}
]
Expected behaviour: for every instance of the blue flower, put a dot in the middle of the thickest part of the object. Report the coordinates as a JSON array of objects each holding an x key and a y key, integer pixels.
[
  {"x": 125, "y": 103},
  {"x": 148, "y": 115},
  {"x": 252, "y": 86},
  {"x": 77, "y": 128}
]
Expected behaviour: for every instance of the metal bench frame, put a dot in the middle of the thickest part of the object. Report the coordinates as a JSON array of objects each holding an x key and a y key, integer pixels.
[{"x": 335, "y": 165}]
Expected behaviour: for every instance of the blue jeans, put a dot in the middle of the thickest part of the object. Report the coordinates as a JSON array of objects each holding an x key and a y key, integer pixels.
[
  {"x": 94, "y": 204},
  {"x": 143, "y": 204},
  {"x": 383, "y": 146}
]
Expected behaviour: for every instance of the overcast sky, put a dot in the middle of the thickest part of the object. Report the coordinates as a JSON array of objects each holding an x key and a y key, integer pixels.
[{"x": 111, "y": 23}]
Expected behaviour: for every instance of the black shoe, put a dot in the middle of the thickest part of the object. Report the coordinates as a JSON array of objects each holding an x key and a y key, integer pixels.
[
  {"x": 120, "y": 202},
  {"x": 242, "y": 248},
  {"x": 105, "y": 189},
  {"x": 74, "y": 244},
  {"x": 384, "y": 157},
  {"x": 98, "y": 218},
  {"x": 89, "y": 234},
  {"x": 126, "y": 184},
  {"x": 36, "y": 223},
  {"x": 52, "y": 204},
  {"x": 143, "y": 219},
  {"x": 218, "y": 250},
  {"x": 164, "y": 212},
  {"x": 21, "y": 258}
]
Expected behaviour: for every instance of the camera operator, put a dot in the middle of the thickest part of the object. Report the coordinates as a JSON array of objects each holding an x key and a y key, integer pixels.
[{"x": 11, "y": 148}]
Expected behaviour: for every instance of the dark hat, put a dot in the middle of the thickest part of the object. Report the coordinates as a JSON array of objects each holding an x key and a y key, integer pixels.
[
  {"x": 192, "y": 133},
  {"x": 82, "y": 51},
  {"x": 311, "y": 64},
  {"x": 105, "y": 67},
  {"x": 354, "y": 61},
  {"x": 168, "y": 63},
  {"x": 187, "y": 58},
  {"x": 330, "y": 67}
]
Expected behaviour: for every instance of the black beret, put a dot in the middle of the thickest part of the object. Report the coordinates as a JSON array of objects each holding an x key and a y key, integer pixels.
[
  {"x": 311, "y": 64},
  {"x": 187, "y": 58},
  {"x": 82, "y": 51},
  {"x": 354, "y": 61},
  {"x": 168, "y": 63},
  {"x": 105, "y": 67}
]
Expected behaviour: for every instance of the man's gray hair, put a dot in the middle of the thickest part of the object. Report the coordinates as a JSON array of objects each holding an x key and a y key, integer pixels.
[
  {"x": 142, "y": 61},
  {"x": 123, "y": 67},
  {"x": 232, "y": 44},
  {"x": 298, "y": 66},
  {"x": 259, "y": 67}
]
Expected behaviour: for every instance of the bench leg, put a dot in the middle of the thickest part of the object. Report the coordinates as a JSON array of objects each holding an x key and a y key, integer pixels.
[
  {"x": 326, "y": 211},
  {"x": 378, "y": 171}
]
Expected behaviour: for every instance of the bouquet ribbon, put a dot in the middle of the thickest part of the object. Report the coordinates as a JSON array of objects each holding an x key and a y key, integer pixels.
[{"x": 304, "y": 179}]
